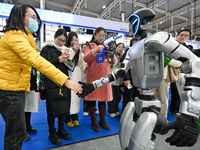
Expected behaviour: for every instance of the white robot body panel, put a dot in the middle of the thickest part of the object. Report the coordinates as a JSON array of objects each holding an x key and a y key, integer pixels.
[
  {"x": 133, "y": 135},
  {"x": 180, "y": 83},
  {"x": 126, "y": 125},
  {"x": 161, "y": 42},
  {"x": 140, "y": 104},
  {"x": 142, "y": 132},
  {"x": 190, "y": 102},
  {"x": 145, "y": 66}
]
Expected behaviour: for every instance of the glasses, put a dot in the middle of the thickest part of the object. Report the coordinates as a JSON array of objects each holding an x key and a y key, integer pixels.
[
  {"x": 120, "y": 47},
  {"x": 34, "y": 17},
  {"x": 185, "y": 35},
  {"x": 102, "y": 35},
  {"x": 61, "y": 40}
]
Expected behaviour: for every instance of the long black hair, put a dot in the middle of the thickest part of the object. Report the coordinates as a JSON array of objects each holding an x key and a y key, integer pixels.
[
  {"x": 97, "y": 31},
  {"x": 68, "y": 44},
  {"x": 70, "y": 38},
  {"x": 16, "y": 19}
]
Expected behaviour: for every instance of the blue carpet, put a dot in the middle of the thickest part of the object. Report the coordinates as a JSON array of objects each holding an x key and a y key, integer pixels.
[{"x": 79, "y": 133}]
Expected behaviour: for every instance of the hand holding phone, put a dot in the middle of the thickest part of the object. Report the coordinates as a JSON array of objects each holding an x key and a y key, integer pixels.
[
  {"x": 129, "y": 86},
  {"x": 65, "y": 51}
]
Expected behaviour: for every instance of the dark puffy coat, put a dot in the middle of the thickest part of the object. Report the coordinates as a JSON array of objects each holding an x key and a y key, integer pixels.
[{"x": 58, "y": 98}]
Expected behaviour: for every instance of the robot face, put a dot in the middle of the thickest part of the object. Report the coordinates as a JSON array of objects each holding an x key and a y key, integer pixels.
[
  {"x": 140, "y": 17},
  {"x": 134, "y": 19}
]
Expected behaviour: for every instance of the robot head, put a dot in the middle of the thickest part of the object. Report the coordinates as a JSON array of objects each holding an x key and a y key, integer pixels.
[{"x": 140, "y": 17}]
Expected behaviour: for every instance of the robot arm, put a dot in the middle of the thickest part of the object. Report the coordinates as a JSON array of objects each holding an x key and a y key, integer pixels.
[
  {"x": 164, "y": 42},
  {"x": 90, "y": 87},
  {"x": 186, "y": 126}
]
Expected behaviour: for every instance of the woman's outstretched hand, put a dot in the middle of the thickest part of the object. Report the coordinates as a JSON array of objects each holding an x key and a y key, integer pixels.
[{"x": 73, "y": 86}]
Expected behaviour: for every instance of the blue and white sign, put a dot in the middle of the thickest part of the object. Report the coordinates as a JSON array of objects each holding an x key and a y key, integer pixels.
[{"x": 68, "y": 19}]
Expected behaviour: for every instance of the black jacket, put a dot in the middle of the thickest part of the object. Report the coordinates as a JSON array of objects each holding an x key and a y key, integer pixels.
[
  {"x": 128, "y": 74},
  {"x": 58, "y": 98}
]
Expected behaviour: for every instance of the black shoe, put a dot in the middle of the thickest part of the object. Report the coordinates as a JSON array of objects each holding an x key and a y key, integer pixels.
[
  {"x": 27, "y": 137},
  {"x": 31, "y": 129},
  {"x": 55, "y": 139},
  {"x": 64, "y": 134}
]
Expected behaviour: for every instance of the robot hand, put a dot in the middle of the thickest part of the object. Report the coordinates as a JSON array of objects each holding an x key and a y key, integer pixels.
[
  {"x": 87, "y": 89},
  {"x": 186, "y": 131}
]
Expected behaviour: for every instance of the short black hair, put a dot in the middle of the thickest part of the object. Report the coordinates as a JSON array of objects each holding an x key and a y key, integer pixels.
[
  {"x": 16, "y": 19},
  {"x": 184, "y": 30},
  {"x": 60, "y": 32}
]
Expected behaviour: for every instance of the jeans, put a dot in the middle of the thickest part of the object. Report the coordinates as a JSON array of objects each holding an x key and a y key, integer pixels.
[{"x": 12, "y": 110}]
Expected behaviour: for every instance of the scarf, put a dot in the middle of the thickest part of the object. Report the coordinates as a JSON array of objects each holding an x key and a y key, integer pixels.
[{"x": 61, "y": 49}]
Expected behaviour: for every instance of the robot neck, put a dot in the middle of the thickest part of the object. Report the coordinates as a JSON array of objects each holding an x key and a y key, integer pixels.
[{"x": 143, "y": 34}]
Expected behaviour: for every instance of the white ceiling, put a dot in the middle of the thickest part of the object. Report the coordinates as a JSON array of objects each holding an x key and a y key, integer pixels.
[{"x": 174, "y": 14}]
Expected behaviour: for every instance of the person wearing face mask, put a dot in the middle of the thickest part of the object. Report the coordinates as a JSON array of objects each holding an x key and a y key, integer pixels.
[
  {"x": 76, "y": 75},
  {"x": 58, "y": 99},
  {"x": 95, "y": 71},
  {"x": 17, "y": 56}
]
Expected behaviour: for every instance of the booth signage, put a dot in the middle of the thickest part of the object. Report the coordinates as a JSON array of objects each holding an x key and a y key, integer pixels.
[{"x": 68, "y": 19}]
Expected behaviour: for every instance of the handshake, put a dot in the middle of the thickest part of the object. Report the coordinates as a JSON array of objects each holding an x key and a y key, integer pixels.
[{"x": 87, "y": 89}]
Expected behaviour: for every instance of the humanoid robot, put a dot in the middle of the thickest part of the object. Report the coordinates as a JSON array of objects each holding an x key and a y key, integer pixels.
[{"x": 146, "y": 60}]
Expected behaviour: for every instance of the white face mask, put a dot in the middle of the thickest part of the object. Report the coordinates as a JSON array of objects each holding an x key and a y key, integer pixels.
[{"x": 33, "y": 25}]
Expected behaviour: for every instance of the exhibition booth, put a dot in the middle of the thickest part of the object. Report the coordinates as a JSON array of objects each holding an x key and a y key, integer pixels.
[{"x": 54, "y": 19}]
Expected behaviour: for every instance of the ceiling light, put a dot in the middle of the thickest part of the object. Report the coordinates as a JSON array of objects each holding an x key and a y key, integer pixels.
[
  {"x": 104, "y": 6},
  {"x": 161, "y": 22}
]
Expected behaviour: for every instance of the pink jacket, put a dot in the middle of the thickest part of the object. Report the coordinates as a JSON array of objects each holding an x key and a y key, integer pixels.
[{"x": 96, "y": 71}]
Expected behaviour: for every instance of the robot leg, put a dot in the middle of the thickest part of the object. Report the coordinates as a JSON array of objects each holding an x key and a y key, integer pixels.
[
  {"x": 142, "y": 132},
  {"x": 136, "y": 136},
  {"x": 126, "y": 125}
]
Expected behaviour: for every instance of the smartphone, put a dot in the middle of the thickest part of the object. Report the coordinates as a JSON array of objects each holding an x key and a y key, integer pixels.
[
  {"x": 76, "y": 42},
  {"x": 67, "y": 50},
  {"x": 129, "y": 86}
]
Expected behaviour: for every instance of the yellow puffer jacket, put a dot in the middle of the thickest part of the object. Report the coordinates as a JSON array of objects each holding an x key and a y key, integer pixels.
[{"x": 17, "y": 55}]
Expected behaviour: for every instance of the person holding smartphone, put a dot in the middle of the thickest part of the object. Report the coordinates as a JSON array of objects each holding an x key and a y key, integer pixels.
[
  {"x": 95, "y": 71},
  {"x": 75, "y": 75},
  {"x": 58, "y": 98},
  {"x": 113, "y": 108}
]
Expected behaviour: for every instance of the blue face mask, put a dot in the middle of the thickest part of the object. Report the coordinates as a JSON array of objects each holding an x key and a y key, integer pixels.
[{"x": 32, "y": 26}]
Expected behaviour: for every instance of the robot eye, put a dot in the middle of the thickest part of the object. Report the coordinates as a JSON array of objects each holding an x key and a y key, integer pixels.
[{"x": 144, "y": 21}]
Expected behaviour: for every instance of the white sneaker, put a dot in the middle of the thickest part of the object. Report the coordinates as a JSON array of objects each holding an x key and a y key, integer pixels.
[
  {"x": 117, "y": 113},
  {"x": 112, "y": 115},
  {"x": 96, "y": 112},
  {"x": 85, "y": 113}
]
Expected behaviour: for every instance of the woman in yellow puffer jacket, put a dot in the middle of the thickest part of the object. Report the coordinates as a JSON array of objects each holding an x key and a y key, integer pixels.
[{"x": 17, "y": 55}]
